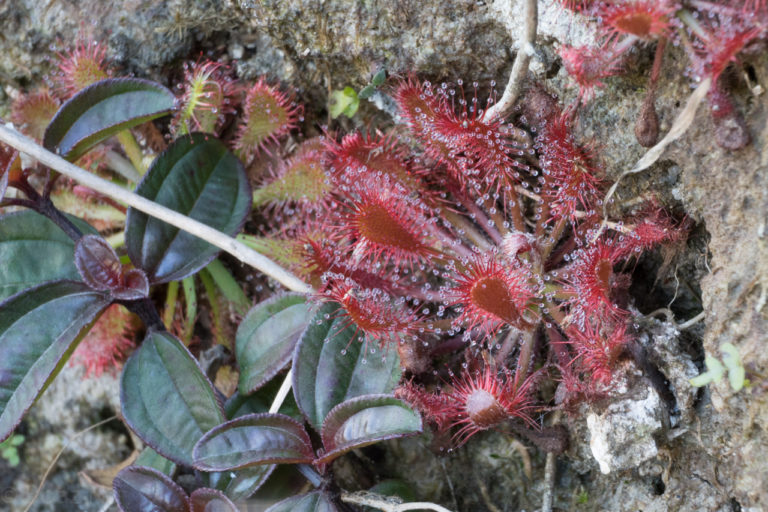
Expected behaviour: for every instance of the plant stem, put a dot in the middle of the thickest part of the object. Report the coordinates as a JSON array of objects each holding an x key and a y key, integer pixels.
[
  {"x": 132, "y": 149},
  {"x": 207, "y": 233},
  {"x": 520, "y": 67},
  {"x": 170, "y": 302},
  {"x": 190, "y": 313}
]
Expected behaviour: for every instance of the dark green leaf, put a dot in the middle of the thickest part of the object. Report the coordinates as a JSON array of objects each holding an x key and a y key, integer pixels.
[
  {"x": 39, "y": 329},
  {"x": 151, "y": 459},
  {"x": 198, "y": 177},
  {"x": 379, "y": 77},
  {"x": 253, "y": 439},
  {"x": 366, "y": 420},
  {"x": 142, "y": 489},
  {"x": 315, "y": 501},
  {"x": 240, "y": 484},
  {"x": 266, "y": 338},
  {"x": 166, "y": 399},
  {"x": 366, "y": 92},
  {"x": 34, "y": 250},
  {"x": 102, "y": 110},
  {"x": 330, "y": 366},
  {"x": 210, "y": 500}
]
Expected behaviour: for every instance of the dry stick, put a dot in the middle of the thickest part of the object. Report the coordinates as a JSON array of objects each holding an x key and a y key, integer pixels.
[
  {"x": 207, "y": 233},
  {"x": 550, "y": 468},
  {"x": 679, "y": 127},
  {"x": 56, "y": 458},
  {"x": 520, "y": 67},
  {"x": 282, "y": 393},
  {"x": 386, "y": 504}
]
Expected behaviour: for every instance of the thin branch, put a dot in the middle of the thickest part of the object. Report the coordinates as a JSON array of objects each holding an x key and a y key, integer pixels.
[
  {"x": 520, "y": 67},
  {"x": 387, "y": 504},
  {"x": 207, "y": 233},
  {"x": 671, "y": 318},
  {"x": 58, "y": 454},
  {"x": 549, "y": 482},
  {"x": 282, "y": 393},
  {"x": 679, "y": 127}
]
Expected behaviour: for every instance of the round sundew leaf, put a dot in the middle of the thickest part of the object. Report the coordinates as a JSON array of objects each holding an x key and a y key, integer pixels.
[
  {"x": 143, "y": 489},
  {"x": 210, "y": 500},
  {"x": 253, "y": 439},
  {"x": 196, "y": 176},
  {"x": 366, "y": 420},
  {"x": 39, "y": 330},
  {"x": 240, "y": 484},
  {"x": 330, "y": 366},
  {"x": 34, "y": 250},
  {"x": 102, "y": 110},
  {"x": 266, "y": 338},
  {"x": 166, "y": 399},
  {"x": 316, "y": 501}
]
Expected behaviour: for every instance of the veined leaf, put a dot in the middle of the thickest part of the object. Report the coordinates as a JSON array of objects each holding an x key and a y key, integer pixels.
[
  {"x": 102, "y": 110},
  {"x": 330, "y": 366},
  {"x": 39, "y": 330},
  {"x": 198, "y": 177},
  {"x": 253, "y": 439},
  {"x": 266, "y": 338},
  {"x": 34, "y": 250},
  {"x": 166, "y": 399}
]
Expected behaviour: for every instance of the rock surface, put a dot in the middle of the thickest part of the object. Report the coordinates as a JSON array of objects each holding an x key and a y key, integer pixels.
[{"x": 715, "y": 461}]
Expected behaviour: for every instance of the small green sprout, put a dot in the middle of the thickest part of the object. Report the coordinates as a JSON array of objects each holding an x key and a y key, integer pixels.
[
  {"x": 344, "y": 102},
  {"x": 716, "y": 370},
  {"x": 9, "y": 449}
]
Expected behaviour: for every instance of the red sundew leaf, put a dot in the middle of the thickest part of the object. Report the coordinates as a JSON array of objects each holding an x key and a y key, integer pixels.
[
  {"x": 80, "y": 67},
  {"x": 32, "y": 112},
  {"x": 422, "y": 109},
  {"x": 385, "y": 225},
  {"x": 598, "y": 348},
  {"x": 301, "y": 180},
  {"x": 591, "y": 279},
  {"x": 268, "y": 114},
  {"x": 570, "y": 181},
  {"x": 360, "y": 155},
  {"x": 208, "y": 95},
  {"x": 372, "y": 312},
  {"x": 588, "y": 66},
  {"x": 492, "y": 294},
  {"x": 646, "y": 19}
]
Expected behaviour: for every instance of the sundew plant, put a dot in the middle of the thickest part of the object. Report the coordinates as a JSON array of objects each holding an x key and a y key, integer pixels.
[{"x": 462, "y": 268}]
